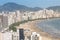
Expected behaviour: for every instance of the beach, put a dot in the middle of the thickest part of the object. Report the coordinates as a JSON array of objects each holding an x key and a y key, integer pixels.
[{"x": 33, "y": 28}]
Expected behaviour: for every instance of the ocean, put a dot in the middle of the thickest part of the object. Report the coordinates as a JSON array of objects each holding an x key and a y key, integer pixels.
[{"x": 51, "y": 26}]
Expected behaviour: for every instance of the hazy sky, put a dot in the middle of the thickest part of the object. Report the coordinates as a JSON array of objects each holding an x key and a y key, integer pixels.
[{"x": 34, "y": 3}]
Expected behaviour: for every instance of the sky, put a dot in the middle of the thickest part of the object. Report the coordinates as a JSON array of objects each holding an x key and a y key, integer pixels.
[{"x": 34, "y": 3}]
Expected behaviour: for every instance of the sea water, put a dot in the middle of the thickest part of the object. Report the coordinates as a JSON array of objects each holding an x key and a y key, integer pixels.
[{"x": 51, "y": 26}]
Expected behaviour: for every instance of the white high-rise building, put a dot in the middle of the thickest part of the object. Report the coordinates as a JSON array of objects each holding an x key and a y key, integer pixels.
[
  {"x": 7, "y": 36},
  {"x": 18, "y": 16},
  {"x": 11, "y": 18},
  {"x": 35, "y": 36}
]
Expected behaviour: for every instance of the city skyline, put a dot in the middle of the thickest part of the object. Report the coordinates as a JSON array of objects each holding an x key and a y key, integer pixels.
[{"x": 34, "y": 3}]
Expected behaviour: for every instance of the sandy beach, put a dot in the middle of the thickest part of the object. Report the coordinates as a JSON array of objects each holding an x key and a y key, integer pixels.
[
  {"x": 33, "y": 28},
  {"x": 31, "y": 25}
]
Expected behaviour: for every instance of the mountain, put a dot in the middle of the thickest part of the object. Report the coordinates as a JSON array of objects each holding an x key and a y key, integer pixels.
[
  {"x": 13, "y": 7},
  {"x": 55, "y": 8}
]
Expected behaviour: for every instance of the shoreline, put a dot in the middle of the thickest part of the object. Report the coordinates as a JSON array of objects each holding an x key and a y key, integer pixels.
[
  {"x": 34, "y": 22},
  {"x": 49, "y": 20}
]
